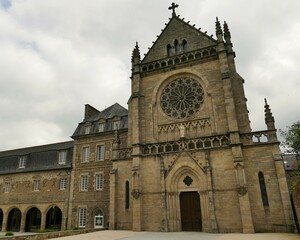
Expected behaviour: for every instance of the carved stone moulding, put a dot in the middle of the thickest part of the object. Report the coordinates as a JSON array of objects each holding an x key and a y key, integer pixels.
[{"x": 241, "y": 190}]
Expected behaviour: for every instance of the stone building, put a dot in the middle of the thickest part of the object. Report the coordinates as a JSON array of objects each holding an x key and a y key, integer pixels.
[
  {"x": 93, "y": 140},
  {"x": 183, "y": 156},
  {"x": 35, "y": 187},
  {"x": 292, "y": 169}
]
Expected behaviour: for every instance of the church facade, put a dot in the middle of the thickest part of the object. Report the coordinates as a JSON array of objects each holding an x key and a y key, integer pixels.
[{"x": 183, "y": 156}]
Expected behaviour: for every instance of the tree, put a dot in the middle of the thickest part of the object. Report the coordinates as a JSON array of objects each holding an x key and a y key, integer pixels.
[{"x": 292, "y": 138}]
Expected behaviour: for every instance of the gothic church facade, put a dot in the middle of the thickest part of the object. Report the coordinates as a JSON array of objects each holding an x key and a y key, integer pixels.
[{"x": 183, "y": 156}]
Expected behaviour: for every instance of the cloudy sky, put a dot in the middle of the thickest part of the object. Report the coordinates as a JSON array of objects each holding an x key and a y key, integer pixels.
[{"x": 58, "y": 55}]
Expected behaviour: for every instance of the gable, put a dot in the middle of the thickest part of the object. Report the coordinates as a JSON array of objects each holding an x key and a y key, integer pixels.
[{"x": 179, "y": 30}]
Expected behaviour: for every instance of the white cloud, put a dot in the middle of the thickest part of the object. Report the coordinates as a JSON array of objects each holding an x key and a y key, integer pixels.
[{"x": 56, "y": 57}]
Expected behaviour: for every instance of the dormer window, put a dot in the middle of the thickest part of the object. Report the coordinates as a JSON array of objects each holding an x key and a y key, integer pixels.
[
  {"x": 22, "y": 161},
  {"x": 62, "y": 157},
  {"x": 116, "y": 124},
  {"x": 101, "y": 127},
  {"x": 87, "y": 129}
]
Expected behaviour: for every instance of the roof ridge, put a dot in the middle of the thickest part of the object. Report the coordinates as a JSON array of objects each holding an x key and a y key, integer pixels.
[{"x": 32, "y": 148}]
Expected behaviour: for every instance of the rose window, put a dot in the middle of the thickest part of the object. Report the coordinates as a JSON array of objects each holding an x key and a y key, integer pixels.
[{"x": 181, "y": 98}]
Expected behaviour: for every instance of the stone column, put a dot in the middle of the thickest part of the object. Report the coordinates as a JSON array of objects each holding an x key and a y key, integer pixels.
[
  {"x": 23, "y": 222},
  {"x": 4, "y": 222},
  {"x": 136, "y": 193},
  {"x": 43, "y": 220},
  {"x": 209, "y": 197},
  {"x": 241, "y": 183},
  {"x": 112, "y": 199}
]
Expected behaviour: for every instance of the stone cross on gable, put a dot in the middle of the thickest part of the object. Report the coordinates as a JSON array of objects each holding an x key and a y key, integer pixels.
[{"x": 173, "y": 6}]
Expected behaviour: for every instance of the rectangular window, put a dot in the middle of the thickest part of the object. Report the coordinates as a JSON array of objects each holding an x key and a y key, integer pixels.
[
  {"x": 36, "y": 185},
  {"x": 87, "y": 129},
  {"x": 116, "y": 125},
  {"x": 22, "y": 161},
  {"x": 7, "y": 187},
  {"x": 85, "y": 154},
  {"x": 101, "y": 127},
  {"x": 62, "y": 184},
  {"x": 62, "y": 157},
  {"x": 82, "y": 217},
  {"x": 100, "y": 152},
  {"x": 84, "y": 183},
  {"x": 99, "y": 182}
]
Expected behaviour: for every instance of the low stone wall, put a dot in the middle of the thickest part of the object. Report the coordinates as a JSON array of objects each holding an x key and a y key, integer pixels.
[{"x": 49, "y": 235}]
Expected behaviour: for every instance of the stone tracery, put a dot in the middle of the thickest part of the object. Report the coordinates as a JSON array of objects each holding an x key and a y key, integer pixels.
[{"x": 182, "y": 97}]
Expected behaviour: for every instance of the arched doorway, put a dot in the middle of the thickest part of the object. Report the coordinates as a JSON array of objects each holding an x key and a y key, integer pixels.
[
  {"x": 98, "y": 219},
  {"x": 14, "y": 220},
  {"x": 33, "y": 220},
  {"x": 184, "y": 182},
  {"x": 1, "y": 219},
  {"x": 54, "y": 218}
]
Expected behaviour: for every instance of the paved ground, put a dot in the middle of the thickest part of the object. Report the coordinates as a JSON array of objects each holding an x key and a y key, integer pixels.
[{"x": 129, "y": 235}]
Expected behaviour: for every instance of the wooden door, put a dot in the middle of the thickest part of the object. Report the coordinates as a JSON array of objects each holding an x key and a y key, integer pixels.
[{"x": 190, "y": 211}]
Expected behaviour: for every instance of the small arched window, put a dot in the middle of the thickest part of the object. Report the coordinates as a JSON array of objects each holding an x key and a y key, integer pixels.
[
  {"x": 169, "y": 50},
  {"x": 263, "y": 189},
  {"x": 184, "y": 46},
  {"x": 127, "y": 195},
  {"x": 176, "y": 45}
]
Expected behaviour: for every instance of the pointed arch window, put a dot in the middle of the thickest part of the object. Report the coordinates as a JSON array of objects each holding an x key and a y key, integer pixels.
[
  {"x": 263, "y": 189},
  {"x": 176, "y": 45},
  {"x": 127, "y": 195},
  {"x": 184, "y": 46},
  {"x": 169, "y": 50}
]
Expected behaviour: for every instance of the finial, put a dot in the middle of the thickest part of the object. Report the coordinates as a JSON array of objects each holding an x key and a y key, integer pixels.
[
  {"x": 136, "y": 52},
  {"x": 173, "y": 6},
  {"x": 227, "y": 34},
  {"x": 269, "y": 119},
  {"x": 135, "y": 58},
  {"x": 219, "y": 31},
  {"x": 270, "y": 122}
]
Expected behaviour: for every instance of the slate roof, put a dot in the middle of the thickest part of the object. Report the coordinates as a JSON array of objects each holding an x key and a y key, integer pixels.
[
  {"x": 106, "y": 116},
  {"x": 39, "y": 158},
  {"x": 290, "y": 161}
]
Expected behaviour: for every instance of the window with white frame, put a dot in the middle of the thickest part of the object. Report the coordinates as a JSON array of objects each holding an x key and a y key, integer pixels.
[
  {"x": 116, "y": 124},
  {"x": 36, "y": 185},
  {"x": 62, "y": 184},
  {"x": 101, "y": 127},
  {"x": 99, "y": 182},
  {"x": 87, "y": 129},
  {"x": 7, "y": 187},
  {"x": 62, "y": 157},
  {"x": 81, "y": 217},
  {"x": 85, "y": 154},
  {"x": 22, "y": 161},
  {"x": 99, "y": 219},
  {"x": 100, "y": 152},
  {"x": 84, "y": 183}
]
